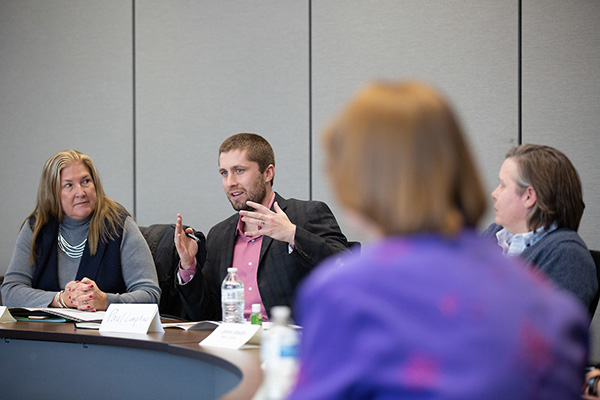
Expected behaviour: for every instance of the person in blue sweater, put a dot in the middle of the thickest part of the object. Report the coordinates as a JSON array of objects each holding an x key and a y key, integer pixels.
[{"x": 538, "y": 207}]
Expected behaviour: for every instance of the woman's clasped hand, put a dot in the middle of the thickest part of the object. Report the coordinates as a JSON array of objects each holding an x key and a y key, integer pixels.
[{"x": 84, "y": 295}]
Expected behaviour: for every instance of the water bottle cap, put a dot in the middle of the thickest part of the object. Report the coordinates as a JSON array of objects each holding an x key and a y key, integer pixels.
[
  {"x": 231, "y": 269},
  {"x": 255, "y": 308},
  {"x": 280, "y": 312}
]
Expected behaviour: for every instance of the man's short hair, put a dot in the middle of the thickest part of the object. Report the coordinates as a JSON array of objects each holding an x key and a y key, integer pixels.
[
  {"x": 556, "y": 183},
  {"x": 257, "y": 149}
]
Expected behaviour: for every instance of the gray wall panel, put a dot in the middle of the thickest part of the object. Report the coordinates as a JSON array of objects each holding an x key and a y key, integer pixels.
[
  {"x": 561, "y": 91},
  {"x": 65, "y": 79},
  {"x": 466, "y": 49},
  {"x": 561, "y": 98},
  {"x": 207, "y": 70}
]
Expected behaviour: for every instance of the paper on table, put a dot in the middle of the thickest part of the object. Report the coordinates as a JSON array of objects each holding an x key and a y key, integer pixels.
[
  {"x": 132, "y": 318},
  {"x": 268, "y": 325},
  {"x": 71, "y": 314},
  {"x": 5, "y": 315},
  {"x": 87, "y": 325},
  {"x": 193, "y": 326},
  {"x": 233, "y": 336}
]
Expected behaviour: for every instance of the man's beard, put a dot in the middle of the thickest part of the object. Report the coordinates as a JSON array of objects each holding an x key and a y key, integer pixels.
[{"x": 256, "y": 194}]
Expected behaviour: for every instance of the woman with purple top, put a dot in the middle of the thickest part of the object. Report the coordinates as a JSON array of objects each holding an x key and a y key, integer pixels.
[{"x": 428, "y": 310}]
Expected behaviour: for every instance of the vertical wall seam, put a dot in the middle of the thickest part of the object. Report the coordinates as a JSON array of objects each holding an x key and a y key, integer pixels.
[
  {"x": 520, "y": 74},
  {"x": 134, "y": 111},
  {"x": 310, "y": 122}
]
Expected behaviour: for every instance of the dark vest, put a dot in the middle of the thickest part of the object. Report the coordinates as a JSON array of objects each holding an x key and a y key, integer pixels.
[{"x": 104, "y": 267}]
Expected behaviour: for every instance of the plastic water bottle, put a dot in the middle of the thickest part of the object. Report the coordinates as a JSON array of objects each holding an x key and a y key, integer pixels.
[
  {"x": 232, "y": 297},
  {"x": 279, "y": 353},
  {"x": 256, "y": 316}
]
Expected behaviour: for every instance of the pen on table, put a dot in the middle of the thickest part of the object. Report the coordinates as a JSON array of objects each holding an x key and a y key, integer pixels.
[{"x": 191, "y": 236}]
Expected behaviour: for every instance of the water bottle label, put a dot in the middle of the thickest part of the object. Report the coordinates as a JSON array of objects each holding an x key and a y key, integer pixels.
[
  {"x": 232, "y": 295},
  {"x": 289, "y": 351}
]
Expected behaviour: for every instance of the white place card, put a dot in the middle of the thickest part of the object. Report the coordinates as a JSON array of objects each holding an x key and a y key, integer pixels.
[
  {"x": 5, "y": 315},
  {"x": 233, "y": 336},
  {"x": 131, "y": 318}
]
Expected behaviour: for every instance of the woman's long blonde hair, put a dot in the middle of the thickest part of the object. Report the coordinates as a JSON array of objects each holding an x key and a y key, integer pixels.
[{"x": 107, "y": 217}]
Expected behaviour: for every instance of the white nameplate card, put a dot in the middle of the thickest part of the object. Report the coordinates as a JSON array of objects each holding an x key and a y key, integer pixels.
[
  {"x": 5, "y": 315},
  {"x": 233, "y": 336},
  {"x": 131, "y": 318}
]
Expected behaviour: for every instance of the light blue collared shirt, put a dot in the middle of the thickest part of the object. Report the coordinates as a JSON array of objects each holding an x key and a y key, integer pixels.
[{"x": 514, "y": 245}]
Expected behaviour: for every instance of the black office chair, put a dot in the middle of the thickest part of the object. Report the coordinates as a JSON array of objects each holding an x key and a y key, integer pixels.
[
  {"x": 354, "y": 246},
  {"x": 594, "y": 304},
  {"x": 160, "y": 241}
]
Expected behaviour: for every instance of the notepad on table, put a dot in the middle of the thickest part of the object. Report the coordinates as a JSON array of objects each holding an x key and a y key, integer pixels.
[{"x": 68, "y": 314}]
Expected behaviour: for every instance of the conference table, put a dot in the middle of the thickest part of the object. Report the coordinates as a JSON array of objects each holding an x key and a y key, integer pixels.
[{"x": 45, "y": 360}]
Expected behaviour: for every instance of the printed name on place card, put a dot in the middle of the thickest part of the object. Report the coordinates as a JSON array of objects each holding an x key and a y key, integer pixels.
[
  {"x": 233, "y": 336},
  {"x": 131, "y": 318}
]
